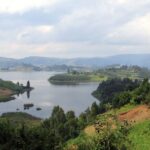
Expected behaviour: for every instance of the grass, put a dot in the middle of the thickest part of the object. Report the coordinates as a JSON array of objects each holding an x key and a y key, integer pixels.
[
  {"x": 21, "y": 117},
  {"x": 70, "y": 78},
  {"x": 115, "y": 112},
  {"x": 125, "y": 108},
  {"x": 88, "y": 134},
  {"x": 5, "y": 98},
  {"x": 10, "y": 85},
  {"x": 81, "y": 140},
  {"x": 140, "y": 136},
  {"x": 97, "y": 78}
]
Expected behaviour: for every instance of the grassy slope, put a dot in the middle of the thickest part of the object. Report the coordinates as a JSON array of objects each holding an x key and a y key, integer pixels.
[
  {"x": 84, "y": 136},
  {"x": 139, "y": 134}
]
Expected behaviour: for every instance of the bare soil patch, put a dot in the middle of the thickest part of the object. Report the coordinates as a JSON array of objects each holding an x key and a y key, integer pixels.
[
  {"x": 90, "y": 130},
  {"x": 137, "y": 114},
  {"x": 5, "y": 92}
]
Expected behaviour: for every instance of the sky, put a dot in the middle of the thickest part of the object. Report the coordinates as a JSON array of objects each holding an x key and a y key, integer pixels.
[{"x": 74, "y": 28}]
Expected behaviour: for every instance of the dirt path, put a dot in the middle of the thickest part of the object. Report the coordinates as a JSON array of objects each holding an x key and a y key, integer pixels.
[{"x": 137, "y": 114}]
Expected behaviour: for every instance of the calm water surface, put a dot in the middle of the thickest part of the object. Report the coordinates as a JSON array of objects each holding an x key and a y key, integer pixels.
[{"x": 46, "y": 95}]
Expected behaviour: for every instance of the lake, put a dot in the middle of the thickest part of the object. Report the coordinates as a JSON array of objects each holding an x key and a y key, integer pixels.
[{"x": 46, "y": 95}]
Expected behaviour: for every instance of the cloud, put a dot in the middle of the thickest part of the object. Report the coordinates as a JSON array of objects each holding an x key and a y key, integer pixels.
[
  {"x": 67, "y": 28},
  {"x": 135, "y": 32},
  {"x": 44, "y": 28},
  {"x": 35, "y": 34},
  {"x": 20, "y": 6}
]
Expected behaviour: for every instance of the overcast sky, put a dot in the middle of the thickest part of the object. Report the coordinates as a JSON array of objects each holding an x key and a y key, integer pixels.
[{"x": 74, "y": 28}]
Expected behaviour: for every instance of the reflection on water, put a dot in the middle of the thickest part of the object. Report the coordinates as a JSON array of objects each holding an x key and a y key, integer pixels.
[
  {"x": 46, "y": 96},
  {"x": 28, "y": 94}
]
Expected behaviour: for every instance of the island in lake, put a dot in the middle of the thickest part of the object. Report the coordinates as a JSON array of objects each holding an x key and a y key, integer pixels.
[
  {"x": 76, "y": 77},
  {"x": 99, "y": 75}
]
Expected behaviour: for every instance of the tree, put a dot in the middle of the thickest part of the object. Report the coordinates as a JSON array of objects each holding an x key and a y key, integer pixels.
[
  {"x": 108, "y": 89},
  {"x": 70, "y": 115},
  {"x": 94, "y": 109}
]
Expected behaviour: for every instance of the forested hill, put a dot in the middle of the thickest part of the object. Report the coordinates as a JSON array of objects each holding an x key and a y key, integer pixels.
[{"x": 130, "y": 59}]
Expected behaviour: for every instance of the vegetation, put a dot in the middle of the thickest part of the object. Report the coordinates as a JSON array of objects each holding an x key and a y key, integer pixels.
[
  {"x": 131, "y": 72},
  {"x": 111, "y": 133},
  {"x": 75, "y": 77},
  {"x": 8, "y": 89},
  {"x": 10, "y": 85},
  {"x": 66, "y": 131},
  {"x": 20, "y": 117},
  {"x": 140, "y": 135},
  {"x": 50, "y": 134},
  {"x": 108, "y": 89}
]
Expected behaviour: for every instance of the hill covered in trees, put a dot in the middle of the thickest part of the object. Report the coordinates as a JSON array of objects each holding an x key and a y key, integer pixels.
[{"x": 142, "y": 60}]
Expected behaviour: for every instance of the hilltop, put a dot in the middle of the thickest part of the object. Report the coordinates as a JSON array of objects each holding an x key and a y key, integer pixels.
[{"x": 142, "y": 60}]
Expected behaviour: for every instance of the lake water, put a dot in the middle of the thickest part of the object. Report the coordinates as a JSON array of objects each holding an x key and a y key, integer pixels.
[{"x": 46, "y": 95}]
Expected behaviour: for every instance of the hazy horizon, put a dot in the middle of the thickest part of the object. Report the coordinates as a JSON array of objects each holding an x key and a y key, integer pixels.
[{"x": 55, "y": 57}]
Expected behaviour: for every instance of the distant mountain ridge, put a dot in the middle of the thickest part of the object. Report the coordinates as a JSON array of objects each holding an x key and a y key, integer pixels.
[{"x": 142, "y": 60}]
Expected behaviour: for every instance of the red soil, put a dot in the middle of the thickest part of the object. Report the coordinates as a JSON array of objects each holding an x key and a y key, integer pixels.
[
  {"x": 137, "y": 114},
  {"x": 5, "y": 92}
]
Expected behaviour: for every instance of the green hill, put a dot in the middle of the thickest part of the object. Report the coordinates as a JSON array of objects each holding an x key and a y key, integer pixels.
[{"x": 75, "y": 77}]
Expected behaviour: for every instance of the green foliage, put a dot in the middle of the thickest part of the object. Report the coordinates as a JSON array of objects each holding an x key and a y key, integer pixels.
[
  {"x": 121, "y": 99},
  {"x": 51, "y": 134},
  {"x": 69, "y": 78},
  {"x": 140, "y": 135},
  {"x": 108, "y": 89},
  {"x": 131, "y": 72},
  {"x": 10, "y": 85},
  {"x": 76, "y": 77},
  {"x": 115, "y": 141},
  {"x": 11, "y": 89},
  {"x": 64, "y": 126},
  {"x": 21, "y": 117},
  {"x": 106, "y": 139},
  {"x": 141, "y": 94},
  {"x": 94, "y": 109}
]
